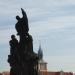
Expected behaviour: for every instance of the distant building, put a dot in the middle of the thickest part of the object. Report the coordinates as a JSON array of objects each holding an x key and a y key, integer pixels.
[
  {"x": 42, "y": 66},
  {"x": 54, "y": 73},
  {"x": 6, "y": 73}
]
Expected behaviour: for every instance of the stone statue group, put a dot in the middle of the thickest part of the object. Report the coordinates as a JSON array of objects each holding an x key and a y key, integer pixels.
[{"x": 22, "y": 59}]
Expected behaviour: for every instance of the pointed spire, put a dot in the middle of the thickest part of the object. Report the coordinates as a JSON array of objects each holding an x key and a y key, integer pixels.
[{"x": 40, "y": 52}]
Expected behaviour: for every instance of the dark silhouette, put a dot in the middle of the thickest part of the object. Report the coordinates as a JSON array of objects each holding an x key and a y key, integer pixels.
[
  {"x": 22, "y": 59},
  {"x": 22, "y": 23}
]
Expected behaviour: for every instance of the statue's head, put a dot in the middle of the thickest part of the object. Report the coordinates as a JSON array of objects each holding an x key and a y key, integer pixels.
[
  {"x": 17, "y": 17},
  {"x": 12, "y": 36}
]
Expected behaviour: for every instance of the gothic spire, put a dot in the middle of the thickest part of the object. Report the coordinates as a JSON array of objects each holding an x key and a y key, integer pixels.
[{"x": 40, "y": 52}]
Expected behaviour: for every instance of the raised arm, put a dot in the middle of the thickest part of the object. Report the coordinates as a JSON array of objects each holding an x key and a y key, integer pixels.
[{"x": 24, "y": 13}]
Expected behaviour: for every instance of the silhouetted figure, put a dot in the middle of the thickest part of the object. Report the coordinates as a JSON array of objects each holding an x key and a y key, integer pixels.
[
  {"x": 13, "y": 44},
  {"x": 13, "y": 57},
  {"x": 22, "y": 23},
  {"x": 13, "y": 48}
]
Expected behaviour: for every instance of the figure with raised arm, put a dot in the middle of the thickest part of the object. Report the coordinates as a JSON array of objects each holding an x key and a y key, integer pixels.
[{"x": 22, "y": 24}]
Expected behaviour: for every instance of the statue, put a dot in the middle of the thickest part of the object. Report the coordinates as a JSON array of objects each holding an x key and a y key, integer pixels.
[
  {"x": 22, "y": 24},
  {"x": 22, "y": 58}
]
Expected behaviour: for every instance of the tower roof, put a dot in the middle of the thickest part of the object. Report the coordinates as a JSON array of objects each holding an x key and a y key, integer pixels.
[{"x": 40, "y": 53}]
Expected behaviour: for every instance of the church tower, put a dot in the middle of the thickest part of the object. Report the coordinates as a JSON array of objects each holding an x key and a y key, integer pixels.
[{"x": 42, "y": 65}]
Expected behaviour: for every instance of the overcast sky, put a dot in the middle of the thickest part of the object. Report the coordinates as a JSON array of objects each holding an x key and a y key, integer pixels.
[{"x": 50, "y": 21}]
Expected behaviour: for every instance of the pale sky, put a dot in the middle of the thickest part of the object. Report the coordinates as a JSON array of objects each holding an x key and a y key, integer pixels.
[{"x": 50, "y": 21}]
